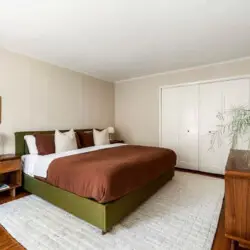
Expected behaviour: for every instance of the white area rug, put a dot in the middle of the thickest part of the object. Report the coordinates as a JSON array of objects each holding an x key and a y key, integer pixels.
[{"x": 183, "y": 215}]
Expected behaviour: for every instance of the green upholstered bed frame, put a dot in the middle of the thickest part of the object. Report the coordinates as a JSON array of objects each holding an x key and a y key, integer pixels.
[{"x": 103, "y": 216}]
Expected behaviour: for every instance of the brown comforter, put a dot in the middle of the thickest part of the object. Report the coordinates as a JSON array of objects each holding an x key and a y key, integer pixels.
[{"x": 109, "y": 174}]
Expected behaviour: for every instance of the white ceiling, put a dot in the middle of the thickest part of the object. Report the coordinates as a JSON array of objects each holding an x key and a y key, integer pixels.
[{"x": 121, "y": 39}]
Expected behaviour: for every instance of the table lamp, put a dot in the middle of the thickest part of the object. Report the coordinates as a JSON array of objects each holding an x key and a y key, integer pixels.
[{"x": 111, "y": 131}]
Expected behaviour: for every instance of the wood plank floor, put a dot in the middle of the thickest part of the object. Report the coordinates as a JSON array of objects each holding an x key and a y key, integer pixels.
[{"x": 8, "y": 243}]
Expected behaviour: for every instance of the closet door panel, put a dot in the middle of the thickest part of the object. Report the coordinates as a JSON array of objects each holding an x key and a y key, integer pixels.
[
  {"x": 170, "y": 118},
  {"x": 215, "y": 97},
  {"x": 188, "y": 132},
  {"x": 180, "y": 124},
  {"x": 210, "y": 103}
]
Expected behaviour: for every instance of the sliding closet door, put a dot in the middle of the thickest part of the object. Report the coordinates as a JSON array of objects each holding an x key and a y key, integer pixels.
[
  {"x": 188, "y": 127},
  {"x": 170, "y": 118},
  {"x": 214, "y": 98},
  {"x": 210, "y": 105},
  {"x": 180, "y": 124}
]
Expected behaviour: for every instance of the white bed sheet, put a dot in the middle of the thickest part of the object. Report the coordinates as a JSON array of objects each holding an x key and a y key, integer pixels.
[
  {"x": 37, "y": 165},
  {"x": 28, "y": 163}
]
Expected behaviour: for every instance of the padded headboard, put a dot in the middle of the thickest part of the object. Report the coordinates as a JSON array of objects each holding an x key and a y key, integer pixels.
[{"x": 20, "y": 144}]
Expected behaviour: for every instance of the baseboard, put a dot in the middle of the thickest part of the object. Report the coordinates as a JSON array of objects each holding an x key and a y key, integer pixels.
[{"x": 199, "y": 172}]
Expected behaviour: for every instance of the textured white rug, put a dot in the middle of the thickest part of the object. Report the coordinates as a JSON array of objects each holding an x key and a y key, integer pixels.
[{"x": 183, "y": 215}]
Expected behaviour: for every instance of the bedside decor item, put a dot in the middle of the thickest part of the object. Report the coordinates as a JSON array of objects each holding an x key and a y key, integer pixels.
[
  {"x": 11, "y": 174},
  {"x": 111, "y": 131}
]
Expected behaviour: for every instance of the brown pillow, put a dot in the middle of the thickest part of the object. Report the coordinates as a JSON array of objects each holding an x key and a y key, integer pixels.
[
  {"x": 78, "y": 142},
  {"x": 45, "y": 143},
  {"x": 86, "y": 138}
]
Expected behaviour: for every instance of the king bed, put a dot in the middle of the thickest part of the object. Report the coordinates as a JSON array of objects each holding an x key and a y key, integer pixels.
[{"x": 99, "y": 184}]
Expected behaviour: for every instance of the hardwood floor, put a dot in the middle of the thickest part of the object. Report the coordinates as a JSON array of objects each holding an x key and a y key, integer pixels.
[
  {"x": 8, "y": 243},
  {"x": 220, "y": 241}
]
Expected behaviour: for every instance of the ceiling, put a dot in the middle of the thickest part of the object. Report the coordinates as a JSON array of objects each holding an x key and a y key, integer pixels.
[{"x": 121, "y": 39}]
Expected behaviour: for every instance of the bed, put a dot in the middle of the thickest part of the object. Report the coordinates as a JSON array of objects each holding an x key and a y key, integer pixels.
[{"x": 103, "y": 215}]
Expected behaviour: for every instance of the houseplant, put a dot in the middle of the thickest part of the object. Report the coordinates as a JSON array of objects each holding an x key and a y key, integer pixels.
[{"x": 234, "y": 124}]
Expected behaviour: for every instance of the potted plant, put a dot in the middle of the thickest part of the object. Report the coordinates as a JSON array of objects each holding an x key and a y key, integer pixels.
[{"x": 235, "y": 124}]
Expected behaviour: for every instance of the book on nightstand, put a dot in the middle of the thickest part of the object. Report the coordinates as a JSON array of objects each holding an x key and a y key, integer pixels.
[{"x": 4, "y": 186}]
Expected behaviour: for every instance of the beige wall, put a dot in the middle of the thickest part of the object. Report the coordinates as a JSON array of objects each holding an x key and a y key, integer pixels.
[
  {"x": 39, "y": 96},
  {"x": 137, "y": 101}
]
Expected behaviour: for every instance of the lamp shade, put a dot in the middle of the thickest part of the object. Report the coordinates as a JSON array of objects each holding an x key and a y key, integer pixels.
[{"x": 111, "y": 130}]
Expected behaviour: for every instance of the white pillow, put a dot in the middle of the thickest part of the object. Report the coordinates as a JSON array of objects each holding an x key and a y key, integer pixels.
[
  {"x": 31, "y": 143},
  {"x": 65, "y": 141},
  {"x": 101, "y": 137}
]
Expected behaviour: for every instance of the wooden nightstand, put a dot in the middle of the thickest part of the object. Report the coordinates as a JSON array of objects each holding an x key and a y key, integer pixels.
[
  {"x": 116, "y": 141},
  {"x": 10, "y": 172}
]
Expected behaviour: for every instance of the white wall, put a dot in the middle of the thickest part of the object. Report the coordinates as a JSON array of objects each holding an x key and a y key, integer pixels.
[
  {"x": 137, "y": 100},
  {"x": 40, "y": 96}
]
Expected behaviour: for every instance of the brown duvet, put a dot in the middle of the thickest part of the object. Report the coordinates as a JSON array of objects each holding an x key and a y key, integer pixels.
[{"x": 108, "y": 174}]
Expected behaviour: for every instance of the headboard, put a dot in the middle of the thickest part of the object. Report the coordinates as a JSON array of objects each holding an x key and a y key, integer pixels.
[{"x": 20, "y": 145}]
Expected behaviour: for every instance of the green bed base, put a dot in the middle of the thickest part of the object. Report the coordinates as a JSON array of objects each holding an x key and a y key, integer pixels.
[{"x": 103, "y": 216}]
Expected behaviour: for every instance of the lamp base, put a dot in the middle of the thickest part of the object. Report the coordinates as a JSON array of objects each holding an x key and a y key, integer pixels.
[{"x": 110, "y": 137}]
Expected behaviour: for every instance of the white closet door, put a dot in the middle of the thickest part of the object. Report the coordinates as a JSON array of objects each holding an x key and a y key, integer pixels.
[
  {"x": 210, "y": 104},
  {"x": 180, "y": 124},
  {"x": 188, "y": 127},
  {"x": 170, "y": 118},
  {"x": 214, "y": 98}
]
